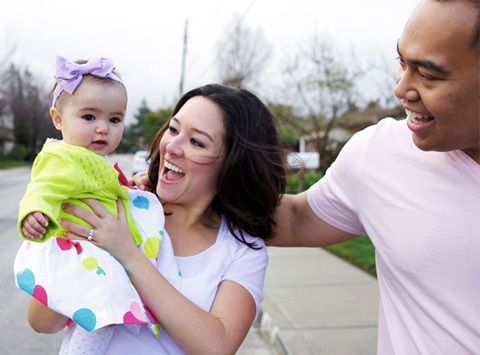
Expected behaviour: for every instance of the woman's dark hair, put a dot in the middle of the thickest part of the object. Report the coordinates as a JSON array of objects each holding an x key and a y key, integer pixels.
[{"x": 252, "y": 177}]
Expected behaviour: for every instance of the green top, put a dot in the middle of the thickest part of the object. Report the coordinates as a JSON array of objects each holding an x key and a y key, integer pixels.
[{"x": 64, "y": 173}]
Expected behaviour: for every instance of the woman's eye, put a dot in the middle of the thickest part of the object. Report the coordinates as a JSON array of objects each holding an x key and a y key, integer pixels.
[
  {"x": 172, "y": 130},
  {"x": 197, "y": 143}
]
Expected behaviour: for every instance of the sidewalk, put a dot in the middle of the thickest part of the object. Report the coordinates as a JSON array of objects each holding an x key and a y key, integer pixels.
[{"x": 316, "y": 303}]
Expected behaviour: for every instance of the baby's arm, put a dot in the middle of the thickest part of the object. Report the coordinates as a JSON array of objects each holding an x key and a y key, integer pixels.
[
  {"x": 141, "y": 181},
  {"x": 33, "y": 225},
  {"x": 54, "y": 180}
]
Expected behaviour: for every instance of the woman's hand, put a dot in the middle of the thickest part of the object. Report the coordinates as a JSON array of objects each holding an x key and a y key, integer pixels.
[
  {"x": 109, "y": 232},
  {"x": 142, "y": 182}
]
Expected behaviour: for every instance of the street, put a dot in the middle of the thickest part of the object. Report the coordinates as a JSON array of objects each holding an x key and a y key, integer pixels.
[{"x": 16, "y": 336}]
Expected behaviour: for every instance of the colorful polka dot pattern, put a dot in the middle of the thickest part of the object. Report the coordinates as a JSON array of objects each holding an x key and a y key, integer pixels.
[
  {"x": 26, "y": 281},
  {"x": 130, "y": 310},
  {"x": 86, "y": 283},
  {"x": 156, "y": 243}
]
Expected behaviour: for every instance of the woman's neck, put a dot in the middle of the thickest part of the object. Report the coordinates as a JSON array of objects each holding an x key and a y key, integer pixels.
[
  {"x": 192, "y": 216},
  {"x": 191, "y": 231}
]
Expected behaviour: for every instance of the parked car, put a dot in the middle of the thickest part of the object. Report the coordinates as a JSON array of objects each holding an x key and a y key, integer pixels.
[{"x": 139, "y": 162}]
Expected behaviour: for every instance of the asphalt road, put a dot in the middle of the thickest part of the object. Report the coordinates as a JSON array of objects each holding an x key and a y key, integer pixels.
[{"x": 16, "y": 336}]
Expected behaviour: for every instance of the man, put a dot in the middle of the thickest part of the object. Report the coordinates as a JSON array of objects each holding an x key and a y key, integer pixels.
[{"x": 413, "y": 187}]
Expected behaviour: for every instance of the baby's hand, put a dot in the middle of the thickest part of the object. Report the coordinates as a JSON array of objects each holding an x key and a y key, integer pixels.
[
  {"x": 141, "y": 181},
  {"x": 33, "y": 225}
]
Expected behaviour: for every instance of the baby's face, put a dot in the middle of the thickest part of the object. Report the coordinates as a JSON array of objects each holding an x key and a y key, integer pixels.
[{"x": 93, "y": 116}]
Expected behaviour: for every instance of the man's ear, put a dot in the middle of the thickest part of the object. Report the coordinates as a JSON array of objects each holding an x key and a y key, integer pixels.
[{"x": 56, "y": 118}]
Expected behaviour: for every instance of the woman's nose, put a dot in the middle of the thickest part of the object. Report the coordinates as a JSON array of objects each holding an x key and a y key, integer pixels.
[
  {"x": 174, "y": 146},
  {"x": 406, "y": 89}
]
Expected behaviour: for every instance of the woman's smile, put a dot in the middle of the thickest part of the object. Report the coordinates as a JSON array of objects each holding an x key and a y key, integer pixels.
[{"x": 171, "y": 172}]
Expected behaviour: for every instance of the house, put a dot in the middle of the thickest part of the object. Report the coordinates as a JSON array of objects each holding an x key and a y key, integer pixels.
[
  {"x": 349, "y": 124},
  {"x": 7, "y": 136}
]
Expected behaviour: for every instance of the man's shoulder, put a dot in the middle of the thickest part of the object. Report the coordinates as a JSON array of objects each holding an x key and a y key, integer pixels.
[
  {"x": 388, "y": 125},
  {"x": 387, "y": 131}
]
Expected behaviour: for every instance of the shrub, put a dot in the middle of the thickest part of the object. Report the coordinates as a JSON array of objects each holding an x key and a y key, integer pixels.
[
  {"x": 308, "y": 180},
  {"x": 19, "y": 152}
]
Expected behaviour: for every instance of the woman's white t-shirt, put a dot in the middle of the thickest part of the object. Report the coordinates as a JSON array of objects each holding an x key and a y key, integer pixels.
[{"x": 227, "y": 259}]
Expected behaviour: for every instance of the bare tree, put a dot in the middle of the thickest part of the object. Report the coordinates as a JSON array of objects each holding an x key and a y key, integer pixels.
[
  {"x": 242, "y": 53},
  {"x": 5, "y": 60},
  {"x": 386, "y": 80},
  {"x": 322, "y": 84},
  {"x": 29, "y": 104}
]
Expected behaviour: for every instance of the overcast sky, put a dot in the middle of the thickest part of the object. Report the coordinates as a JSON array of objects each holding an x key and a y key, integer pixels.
[{"x": 145, "y": 37}]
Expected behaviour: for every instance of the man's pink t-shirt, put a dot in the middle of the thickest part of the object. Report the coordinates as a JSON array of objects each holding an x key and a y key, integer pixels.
[{"x": 422, "y": 212}]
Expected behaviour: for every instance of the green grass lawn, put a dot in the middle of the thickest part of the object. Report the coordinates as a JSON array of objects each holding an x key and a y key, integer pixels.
[
  {"x": 10, "y": 163},
  {"x": 359, "y": 252}
]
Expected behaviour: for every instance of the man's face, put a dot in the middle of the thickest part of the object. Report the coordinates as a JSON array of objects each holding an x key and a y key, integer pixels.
[{"x": 438, "y": 78}]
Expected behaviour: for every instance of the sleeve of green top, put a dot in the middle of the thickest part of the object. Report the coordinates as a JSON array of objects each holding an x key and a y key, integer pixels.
[{"x": 53, "y": 181}]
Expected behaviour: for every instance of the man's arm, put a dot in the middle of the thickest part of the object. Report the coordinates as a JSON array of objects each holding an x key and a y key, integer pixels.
[{"x": 298, "y": 225}]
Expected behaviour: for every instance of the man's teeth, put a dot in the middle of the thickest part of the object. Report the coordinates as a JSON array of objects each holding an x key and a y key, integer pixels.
[
  {"x": 418, "y": 118},
  {"x": 173, "y": 167},
  {"x": 412, "y": 114}
]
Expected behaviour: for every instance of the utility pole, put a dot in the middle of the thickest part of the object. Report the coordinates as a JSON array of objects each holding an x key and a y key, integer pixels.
[{"x": 185, "y": 37}]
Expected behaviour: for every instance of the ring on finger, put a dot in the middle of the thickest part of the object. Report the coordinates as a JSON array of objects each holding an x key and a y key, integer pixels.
[{"x": 90, "y": 234}]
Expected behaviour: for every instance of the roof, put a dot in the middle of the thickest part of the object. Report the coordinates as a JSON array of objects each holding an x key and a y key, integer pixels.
[{"x": 371, "y": 115}]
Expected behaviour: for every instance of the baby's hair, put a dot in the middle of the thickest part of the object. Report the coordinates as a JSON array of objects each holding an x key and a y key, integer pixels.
[{"x": 87, "y": 78}]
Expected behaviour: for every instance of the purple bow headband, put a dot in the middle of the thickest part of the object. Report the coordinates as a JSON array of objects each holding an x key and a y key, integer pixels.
[{"x": 70, "y": 74}]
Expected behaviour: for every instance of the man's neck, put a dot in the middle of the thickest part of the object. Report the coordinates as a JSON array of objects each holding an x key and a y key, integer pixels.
[{"x": 474, "y": 154}]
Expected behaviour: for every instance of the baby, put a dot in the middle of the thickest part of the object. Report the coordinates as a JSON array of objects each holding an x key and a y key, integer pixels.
[{"x": 78, "y": 279}]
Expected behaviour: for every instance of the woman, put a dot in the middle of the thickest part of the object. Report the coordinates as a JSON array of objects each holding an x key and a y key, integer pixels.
[{"x": 219, "y": 172}]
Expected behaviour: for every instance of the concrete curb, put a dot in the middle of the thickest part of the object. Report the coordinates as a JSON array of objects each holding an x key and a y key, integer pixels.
[
  {"x": 316, "y": 303},
  {"x": 272, "y": 334}
]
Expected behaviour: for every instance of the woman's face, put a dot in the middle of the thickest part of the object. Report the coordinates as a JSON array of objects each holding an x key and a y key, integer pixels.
[{"x": 191, "y": 154}]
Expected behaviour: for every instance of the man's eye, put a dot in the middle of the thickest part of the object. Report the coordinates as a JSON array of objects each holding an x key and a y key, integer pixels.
[
  {"x": 401, "y": 62},
  {"x": 426, "y": 77}
]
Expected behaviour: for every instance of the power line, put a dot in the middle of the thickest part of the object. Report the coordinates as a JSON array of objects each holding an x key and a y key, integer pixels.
[{"x": 185, "y": 40}]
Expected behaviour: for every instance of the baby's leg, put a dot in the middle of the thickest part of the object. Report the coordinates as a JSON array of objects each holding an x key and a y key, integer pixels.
[{"x": 93, "y": 343}]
